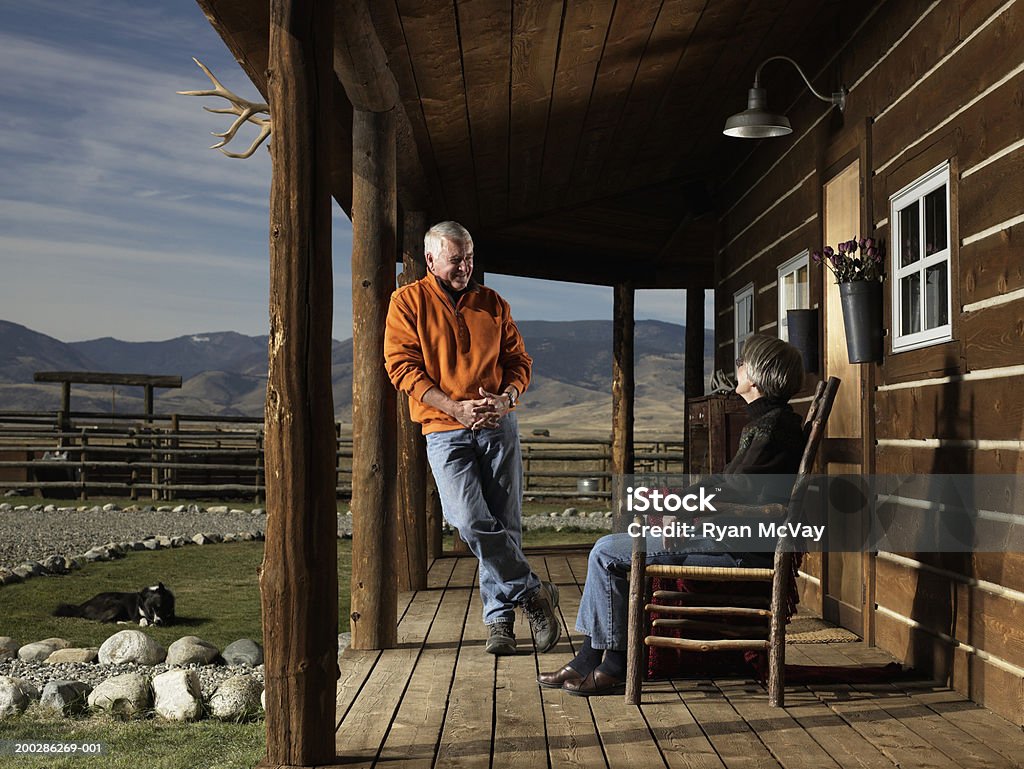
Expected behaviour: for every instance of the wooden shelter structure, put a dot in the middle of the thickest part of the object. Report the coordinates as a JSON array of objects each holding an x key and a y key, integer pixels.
[{"x": 582, "y": 141}]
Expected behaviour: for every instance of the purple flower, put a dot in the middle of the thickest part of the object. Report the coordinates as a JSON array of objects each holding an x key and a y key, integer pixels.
[
  {"x": 844, "y": 247},
  {"x": 875, "y": 254},
  {"x": 868, "y": 243},
  {"x": 851, "y": 245},
  {"x": 836, "y": 261},
  {"x": 816, "y": 257},
  {"x": 829, "y": 252},
  {"x": 862, "y": 243}
]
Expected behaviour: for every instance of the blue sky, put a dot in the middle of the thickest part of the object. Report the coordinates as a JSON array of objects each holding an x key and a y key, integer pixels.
[{"x": 115, "y": 218}]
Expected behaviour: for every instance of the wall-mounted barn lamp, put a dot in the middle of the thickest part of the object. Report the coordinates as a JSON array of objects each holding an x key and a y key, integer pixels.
[{"x": 756, "y": 122}]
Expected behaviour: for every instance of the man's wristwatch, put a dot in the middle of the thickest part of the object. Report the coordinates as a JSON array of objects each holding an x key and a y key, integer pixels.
[{"x": 513, "y": 396}]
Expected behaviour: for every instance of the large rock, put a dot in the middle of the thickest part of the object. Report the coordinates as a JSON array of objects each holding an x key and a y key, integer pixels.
[
  {"x": 68, "y": 697},
  {"x": 177, "y": 695},
  {"x": 190, "y": 650},
  {"x": 245, "y": 652},
  {"x": 125, "y": 695},
  {"x": 82, "y": 656},
  {"x": 236, "y": 699},
  {"x": 131, "y": 646},
  {"x": 8, "y": 648},
  {"x": 40, "y": 650},
  {"x": 13, "y": 699}
]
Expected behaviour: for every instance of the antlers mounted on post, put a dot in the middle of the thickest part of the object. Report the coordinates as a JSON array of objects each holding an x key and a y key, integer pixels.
[{"x": 246, "y": 110}]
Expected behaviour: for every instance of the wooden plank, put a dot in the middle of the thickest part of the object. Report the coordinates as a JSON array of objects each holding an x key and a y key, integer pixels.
[
  {"x": 485, "y": 29},
  {"x": 994, "y": 336},
  {"x": 666, "y": 47},
  {"x": 582, "y": 43},
  {"x": 894, "y": 460},
  {"x": 388, "y": 24},
  {"x": 520, "y": 740},
  {"x": 104, "y": 378},
  {"x": 782, "y": 735},
  {"x": 466, "y": 734},
  {"x": 695, "y": 69},
  {"x": 365, "y": 727},
  {"x": 990, "y": 196},
  {"x": 628, "y": 35},
  {"x": 952, "y": 411},
  {"x": 677, "y": 733},
  {"x": 954, "y": 83},
  {"x": 431, "y": 35},
  {"x": 735, "y": 741},
  {"x": 845, "y": 746},
  {"x": 992, "y": 266},
  {"x": 984, "y": 725},
  {"x": 413, "y": 736},
  {"x": 535, "y": 37},
  {"x": 960, "y": 746},
  {"x": 571, "y": 733}
]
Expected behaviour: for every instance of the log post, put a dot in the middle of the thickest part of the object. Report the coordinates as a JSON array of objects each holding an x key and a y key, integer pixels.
[
  {"x": 374, "y": 402},
  {"x": 411, "y": 544},
  {"x": 693, "y": 380},
  {"x": 435, "y": 519},
  {"x": 299, "y": 577},
  {"x": 693, "y": 360},
  {"x": 623, "y": 383}
]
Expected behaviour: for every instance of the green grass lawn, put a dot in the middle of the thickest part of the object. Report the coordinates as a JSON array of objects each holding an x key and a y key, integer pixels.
[{"x": 217, "y": 594}]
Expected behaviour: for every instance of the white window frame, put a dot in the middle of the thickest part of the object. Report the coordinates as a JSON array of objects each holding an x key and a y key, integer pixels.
[
  {"x": 745, "y": 294},
  {"x": 916, "y": 192},
  {"x": 798, "y": 262}
]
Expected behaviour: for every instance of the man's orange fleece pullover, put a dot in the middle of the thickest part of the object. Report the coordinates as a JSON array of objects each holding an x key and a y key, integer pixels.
[{"x": 458, "y": 348}]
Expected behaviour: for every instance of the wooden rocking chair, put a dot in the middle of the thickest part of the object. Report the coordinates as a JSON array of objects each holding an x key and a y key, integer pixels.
[{"x": 708, "y": 609}]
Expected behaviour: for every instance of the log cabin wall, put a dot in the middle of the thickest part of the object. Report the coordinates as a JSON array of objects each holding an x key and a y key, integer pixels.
[{"x": 930, "y": 82}]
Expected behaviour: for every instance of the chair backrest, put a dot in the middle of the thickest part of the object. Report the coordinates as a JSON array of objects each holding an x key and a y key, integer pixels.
[
  {"x": 814, "y": 430},
  {"x": 817, "y": 417}
]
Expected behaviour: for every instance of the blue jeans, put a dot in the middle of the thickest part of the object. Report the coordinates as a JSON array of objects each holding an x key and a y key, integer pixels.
[
  {"x": 605, "y": 603},
  {"x": 479, "y": 477}
]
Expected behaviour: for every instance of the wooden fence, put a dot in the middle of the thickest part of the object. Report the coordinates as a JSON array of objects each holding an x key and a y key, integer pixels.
[{"x": 165, "y": 457}]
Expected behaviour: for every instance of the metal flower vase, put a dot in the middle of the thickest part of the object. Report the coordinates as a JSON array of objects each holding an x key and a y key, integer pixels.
[{"x": 861, "y": 301}]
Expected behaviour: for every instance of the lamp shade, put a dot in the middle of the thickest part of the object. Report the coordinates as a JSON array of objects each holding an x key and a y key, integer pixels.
[{"x": 756, "y": 122}]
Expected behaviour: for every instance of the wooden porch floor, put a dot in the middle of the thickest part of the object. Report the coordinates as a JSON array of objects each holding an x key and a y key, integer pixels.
[{"x": 439, "y": 700}]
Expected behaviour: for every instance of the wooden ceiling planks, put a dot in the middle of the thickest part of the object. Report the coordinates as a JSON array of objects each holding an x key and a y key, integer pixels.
[
  {"x": 695, "y": 73},
  {"x": 536, "y": 27},
  {"x": 665, "y": 51},
  {"x": 766, "y": 23},
  {"x": 389, "y": 29},
  {"x": 432, "y": 40},
  {"x": 485, "y": 30},
  {"x": 630, "y": 31},
  {"x": 584, "y": 30}
]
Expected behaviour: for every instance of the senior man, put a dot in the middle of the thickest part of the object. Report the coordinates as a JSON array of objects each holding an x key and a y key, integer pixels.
[{"x": 451, "y": 344}]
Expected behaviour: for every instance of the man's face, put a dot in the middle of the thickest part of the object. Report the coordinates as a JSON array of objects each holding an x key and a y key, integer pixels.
[{"x": 454, "y": 265}]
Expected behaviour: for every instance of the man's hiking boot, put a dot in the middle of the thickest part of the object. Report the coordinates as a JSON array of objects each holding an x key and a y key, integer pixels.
[
  {"x": 501, "y": 639},
  {"x": 544, "y": 623}
]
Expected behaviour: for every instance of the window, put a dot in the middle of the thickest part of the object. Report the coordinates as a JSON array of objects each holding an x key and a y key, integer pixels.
[
  {"x": 743, "y": 316},
  {"x": 921, "y": 265},
  {"x": 794, "y": 293}
]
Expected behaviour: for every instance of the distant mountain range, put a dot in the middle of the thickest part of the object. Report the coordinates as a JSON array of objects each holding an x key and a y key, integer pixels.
[{"x": 225, "y": 373}]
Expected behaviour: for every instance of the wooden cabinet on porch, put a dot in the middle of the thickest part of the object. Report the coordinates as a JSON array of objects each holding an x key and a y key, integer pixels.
[{"x": 713, "y": 425}]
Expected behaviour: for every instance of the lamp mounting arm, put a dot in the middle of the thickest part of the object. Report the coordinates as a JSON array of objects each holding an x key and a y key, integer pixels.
[{"x": 838, "y": 98}]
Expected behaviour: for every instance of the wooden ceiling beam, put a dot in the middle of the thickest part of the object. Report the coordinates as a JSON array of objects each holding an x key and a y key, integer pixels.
[{"x": 527, "y": 259}]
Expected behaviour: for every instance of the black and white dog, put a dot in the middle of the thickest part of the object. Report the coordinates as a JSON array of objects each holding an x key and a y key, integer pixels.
[{"x": 150, "y": 606}]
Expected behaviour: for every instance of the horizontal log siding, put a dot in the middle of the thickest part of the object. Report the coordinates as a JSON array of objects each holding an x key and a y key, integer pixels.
[{"x": 936, "y": 81}]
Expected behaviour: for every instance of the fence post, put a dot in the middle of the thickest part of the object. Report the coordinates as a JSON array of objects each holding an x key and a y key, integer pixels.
[
  {"x": 258, "y": 498},
  {"x": 171, "y": 477},
  {"x": 133, "y": 476},
  {"x": 83, "y": 494}
]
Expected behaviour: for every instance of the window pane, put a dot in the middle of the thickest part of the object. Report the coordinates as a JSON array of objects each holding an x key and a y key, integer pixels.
[
  {"x": 910, "y": 308},
  {"x": 802, "y": 300},
  {"x": 910, "y": 232},
  {"x": 935, "y": 230},
  {"x": 936, "y": 305}
]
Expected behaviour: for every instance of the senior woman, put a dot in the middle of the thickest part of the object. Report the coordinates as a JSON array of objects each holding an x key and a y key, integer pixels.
[{"x": 768, "y": 374}]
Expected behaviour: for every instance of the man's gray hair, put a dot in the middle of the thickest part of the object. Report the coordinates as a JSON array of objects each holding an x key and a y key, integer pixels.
[
  {"x": 442, "y": 231},
  {"x": 776, "y": 367}
]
